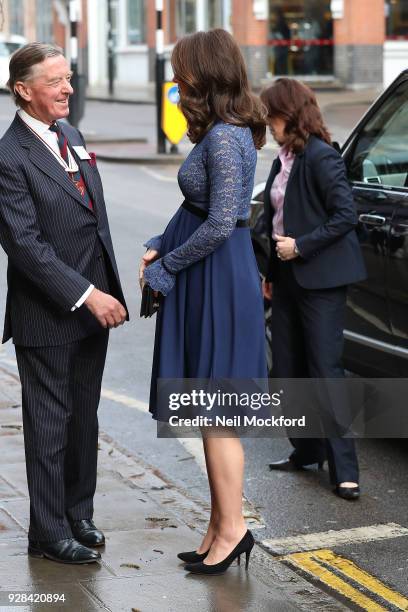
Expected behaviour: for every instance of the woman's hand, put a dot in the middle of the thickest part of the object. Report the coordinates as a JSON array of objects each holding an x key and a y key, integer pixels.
[
  {"x": 149, "y": 257},
  {"x": 285, "y": 248},
  {"x": 267, "y": 290}
]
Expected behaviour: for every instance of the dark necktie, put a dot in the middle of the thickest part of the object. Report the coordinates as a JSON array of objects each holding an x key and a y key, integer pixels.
[{"x": 76, "y": 177}]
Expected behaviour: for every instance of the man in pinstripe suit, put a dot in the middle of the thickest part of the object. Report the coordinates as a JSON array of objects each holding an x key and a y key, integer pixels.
[{"x": 64, "y": 294}]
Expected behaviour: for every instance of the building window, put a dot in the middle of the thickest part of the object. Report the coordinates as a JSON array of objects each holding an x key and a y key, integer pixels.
[
  {"x": 300, "y": 37},
  {"x": 186, "y": 17},
  {"x": 396, "y": 19},
  {"x": 135, "y": 22},
  {"x": 214, "y": 12},
  {"x": 44, "y": 21},
  {"x": 16, "y": 17}
]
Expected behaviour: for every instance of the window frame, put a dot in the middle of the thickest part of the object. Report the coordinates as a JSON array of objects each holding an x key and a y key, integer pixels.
[
  {"x": 349, "y": 147},
  {"x": 143, "y": 42}
]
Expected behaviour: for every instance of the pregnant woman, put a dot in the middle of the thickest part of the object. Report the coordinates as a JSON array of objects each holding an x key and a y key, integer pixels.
[{"x": 210, "y": 323}]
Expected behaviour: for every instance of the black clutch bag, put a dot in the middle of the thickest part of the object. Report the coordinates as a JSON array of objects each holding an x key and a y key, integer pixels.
[{"x": 150, "y": 304}]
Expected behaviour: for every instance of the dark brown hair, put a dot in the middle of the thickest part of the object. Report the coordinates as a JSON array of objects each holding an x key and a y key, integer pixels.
[
  {"x": 211, "y": 67},
  {"x": 22, "y": 62},
  {"x": 296, "y": 104}
]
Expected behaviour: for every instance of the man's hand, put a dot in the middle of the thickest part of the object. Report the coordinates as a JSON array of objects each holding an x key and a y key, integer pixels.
[
  {"x": 149, "y": 257},
  {"x": 267, "y": 290},
  {"x": 285, "y": 248},
  {"x": 107, "y": 309}
]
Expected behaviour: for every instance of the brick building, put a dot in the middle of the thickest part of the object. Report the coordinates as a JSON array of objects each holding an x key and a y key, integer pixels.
[
  {"x": 357, "y": 43},
  {"x": 45, "y": 21}
]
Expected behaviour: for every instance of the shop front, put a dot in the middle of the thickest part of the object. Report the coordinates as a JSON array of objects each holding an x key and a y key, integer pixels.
[
  {"x": 300, "y": 40},
  {"x": 395, "y": 56}
]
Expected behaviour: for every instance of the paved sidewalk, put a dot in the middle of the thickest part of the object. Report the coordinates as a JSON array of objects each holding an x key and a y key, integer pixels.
[
  {"x": 145, "y": 94},
  {"x": 146, "y": 521},
  {"x": 132, "y": 138}
]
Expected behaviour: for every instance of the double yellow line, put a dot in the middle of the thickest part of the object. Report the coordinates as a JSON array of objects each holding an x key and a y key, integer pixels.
[{"x": 346, "y": 578}]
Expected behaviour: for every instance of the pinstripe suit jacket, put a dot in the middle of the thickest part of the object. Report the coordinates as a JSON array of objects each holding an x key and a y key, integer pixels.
[{"x": 53, "y": 241}]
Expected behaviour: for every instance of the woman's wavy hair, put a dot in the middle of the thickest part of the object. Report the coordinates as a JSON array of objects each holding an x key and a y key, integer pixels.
[
  {"x": 211, "y": 67},
  {"x": 296, "y": 104}
]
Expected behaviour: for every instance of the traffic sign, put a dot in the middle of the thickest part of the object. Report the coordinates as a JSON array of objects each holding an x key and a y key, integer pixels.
[{"x": 174, "y": 124}]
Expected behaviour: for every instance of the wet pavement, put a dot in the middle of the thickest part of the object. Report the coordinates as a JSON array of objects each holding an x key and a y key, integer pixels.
[{"x": 146, "y": 520}]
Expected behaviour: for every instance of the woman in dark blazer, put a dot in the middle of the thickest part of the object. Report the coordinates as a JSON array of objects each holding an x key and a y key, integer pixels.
[{"x": 310, "y": 219}]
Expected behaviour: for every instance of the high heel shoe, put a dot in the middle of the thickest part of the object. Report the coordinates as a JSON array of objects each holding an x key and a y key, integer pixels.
[
  {"x": 244, "y": 546},
  {"x": 193, "y": 556}
]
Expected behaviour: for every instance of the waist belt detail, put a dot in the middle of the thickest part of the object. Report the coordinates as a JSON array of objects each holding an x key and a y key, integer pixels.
[{"x": 200, "y": 212}]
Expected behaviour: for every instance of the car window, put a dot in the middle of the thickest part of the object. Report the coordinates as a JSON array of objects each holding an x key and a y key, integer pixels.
[{"x": 380, "y": 151}]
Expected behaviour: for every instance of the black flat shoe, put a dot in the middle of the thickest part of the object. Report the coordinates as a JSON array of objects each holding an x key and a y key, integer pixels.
[
  {"x": 193, "y": 556},
  {"x": 244, "y": 546},
  {"x": 64, "y": 551},
  {"x": 85, "y": 532},
  {"x": 290, "y": 465},
  {"x": 349, "y": 493}
]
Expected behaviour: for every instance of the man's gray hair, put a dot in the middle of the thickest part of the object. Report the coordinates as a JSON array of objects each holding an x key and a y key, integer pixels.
[{"x": 22, "y": 62}]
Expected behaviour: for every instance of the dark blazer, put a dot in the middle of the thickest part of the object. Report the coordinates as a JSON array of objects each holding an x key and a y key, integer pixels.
[
  {"x": 319, "y": 212},
  {"x": 54, "y": 242}
]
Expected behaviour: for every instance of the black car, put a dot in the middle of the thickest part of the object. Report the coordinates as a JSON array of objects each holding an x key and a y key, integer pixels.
[{"x": 376, "y": 158}]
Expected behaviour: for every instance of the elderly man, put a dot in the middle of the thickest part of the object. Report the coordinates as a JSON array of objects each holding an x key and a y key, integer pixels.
[{"x": 64, "y": 294}]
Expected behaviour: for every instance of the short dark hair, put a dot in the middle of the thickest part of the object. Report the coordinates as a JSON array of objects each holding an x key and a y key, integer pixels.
[
  {"x": 296, "y": 104},
  {"x": 22, "y": 62},
  {"x": 212, "y": 67}
]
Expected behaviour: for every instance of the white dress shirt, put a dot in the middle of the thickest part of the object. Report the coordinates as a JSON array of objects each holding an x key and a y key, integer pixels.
[{"x": 44, "y": 133}]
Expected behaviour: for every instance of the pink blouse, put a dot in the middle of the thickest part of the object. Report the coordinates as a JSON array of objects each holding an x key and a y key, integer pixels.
[{"x": 278, "y": 190}]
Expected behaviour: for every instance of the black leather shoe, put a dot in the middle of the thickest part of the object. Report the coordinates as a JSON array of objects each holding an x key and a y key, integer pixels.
[
  {"x": 290, "y": 465},
  {"x": 193, "y": 556},
  {"x": 349, "y": 493},
  {"x": 85, "y": 532},
  {"x": 64, "y": 551}
]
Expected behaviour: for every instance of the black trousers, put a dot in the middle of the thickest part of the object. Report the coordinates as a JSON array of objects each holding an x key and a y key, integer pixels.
[
  {"x": 61, "y": 390},
  {"x": 307, "y": 341}
]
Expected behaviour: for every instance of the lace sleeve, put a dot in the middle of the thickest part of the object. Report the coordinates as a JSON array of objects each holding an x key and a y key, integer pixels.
[
  {"x": 154, "y": 243},
  {"x": 159, "y": 278},
  {"x": 224, "y": 166}
]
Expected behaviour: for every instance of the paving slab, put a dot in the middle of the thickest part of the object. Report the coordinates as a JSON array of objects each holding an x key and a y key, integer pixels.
[
  {"x": 12, "y": 451},
  {"x": 9, "y": 527},
  {"x": 71, "y": 597},
  {"x": 20, "y": 572},
  {"x": 149, "y": 551},
  {"x": 236, "y": 591}
]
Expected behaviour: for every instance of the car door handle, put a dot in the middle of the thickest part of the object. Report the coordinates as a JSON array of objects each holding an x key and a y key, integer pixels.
[{"x": 376, "y": 220}]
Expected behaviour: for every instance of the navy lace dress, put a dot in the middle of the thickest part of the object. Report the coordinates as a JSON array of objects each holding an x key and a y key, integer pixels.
[{"x": 211, "y": 322}]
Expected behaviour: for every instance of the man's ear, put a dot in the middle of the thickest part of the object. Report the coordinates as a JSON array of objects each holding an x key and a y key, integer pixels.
[{"x": 23, "y": 90}]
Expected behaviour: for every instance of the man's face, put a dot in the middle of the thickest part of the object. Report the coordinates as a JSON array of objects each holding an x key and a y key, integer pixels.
[{"x": 47, "y": 92}]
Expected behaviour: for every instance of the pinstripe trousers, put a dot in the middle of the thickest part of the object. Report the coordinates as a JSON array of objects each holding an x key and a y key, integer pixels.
[{"x": 61, "y": 390}]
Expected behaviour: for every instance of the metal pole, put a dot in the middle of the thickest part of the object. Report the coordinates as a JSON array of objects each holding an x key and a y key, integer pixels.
[
  {"x": 110, "y": 50},
  {"x": 161, "y": 138},
  {"x": 73, "y": 20}
]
